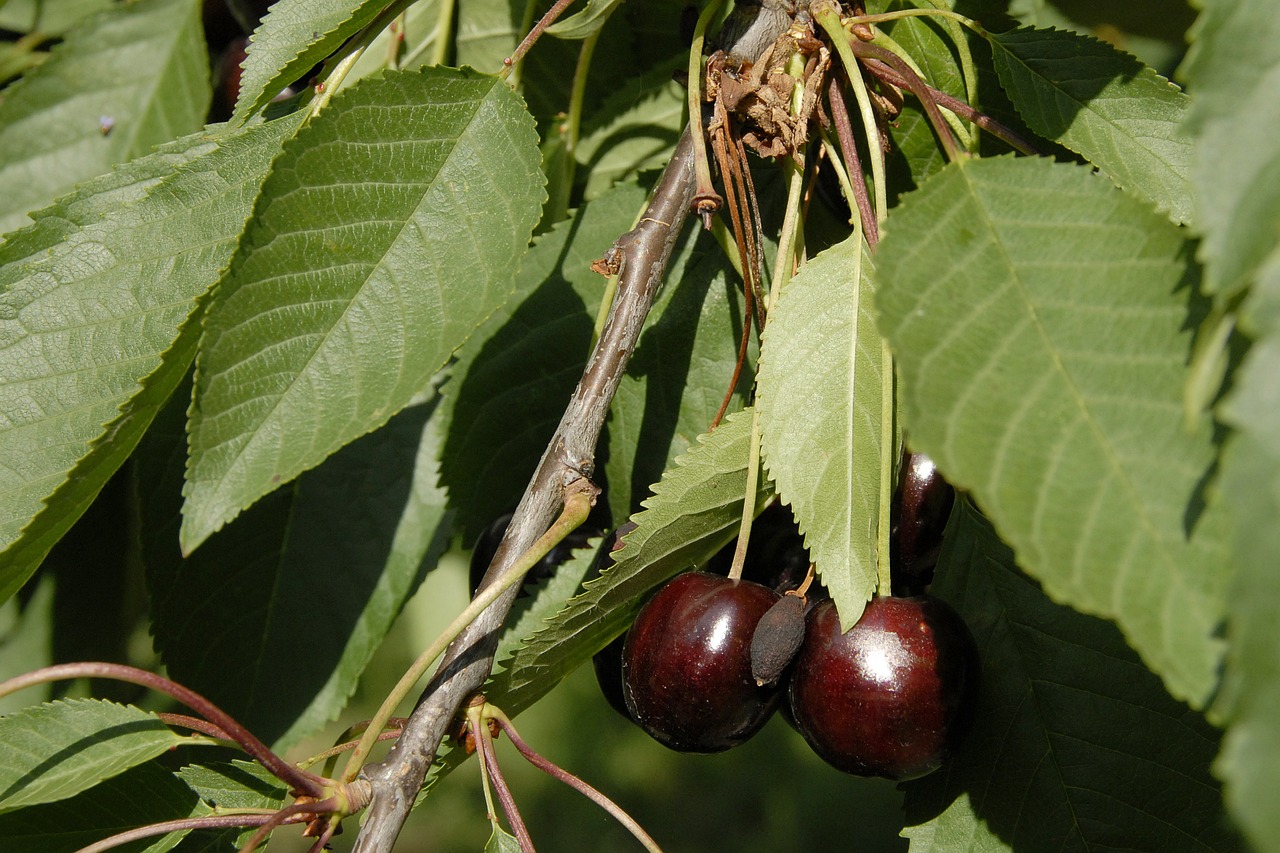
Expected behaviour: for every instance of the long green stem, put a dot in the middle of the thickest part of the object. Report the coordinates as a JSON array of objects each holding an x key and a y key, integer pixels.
[
  {"x": 888, "y": 454},
  {"x": 829, "y": 20},
  {"x": 576, "y": 508}
]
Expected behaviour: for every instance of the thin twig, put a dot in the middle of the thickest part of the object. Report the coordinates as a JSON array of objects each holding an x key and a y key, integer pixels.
[
  {"x": 535, "y": 33},
  {"x": 484, "y": 743},
  {"x": 641, "y": 257},
  {"x": 186, "y": 824},
  {"x": 574, "y": 782},
  {"x": 849, "y": 148},
  {"x": 299, "y": 780}
]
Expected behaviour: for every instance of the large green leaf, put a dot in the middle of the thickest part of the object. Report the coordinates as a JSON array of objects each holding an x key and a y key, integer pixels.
[
  {"x": 143, "y": 795},
  {"x": 1250, "y": 761},
  {"x": 389, "y": 229},
  {"x": 1105, "y": 105},
  {"x": 56, "y": 750},
  {"x": 1075, "y": 744},
  {"x": 93, "y": 300},
  {"x": 694, "y": 511},
  {"x": 93, "y": 104},
  {"x": 509, "y": 388},
  {"x": 1234, "y": 67},
  {"x": 293, "y": 37},
  {"x": 322, "y": 566},
  {"x": 821, "y": 400},
  {"x": 1042, "y": 321}
]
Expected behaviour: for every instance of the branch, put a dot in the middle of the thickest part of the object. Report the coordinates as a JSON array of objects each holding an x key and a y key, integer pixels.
[{"x": 642, "y": 255}]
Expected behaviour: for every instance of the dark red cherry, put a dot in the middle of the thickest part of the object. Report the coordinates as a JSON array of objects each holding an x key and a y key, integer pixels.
[
  {"x": 487, "y": 546},
  {"x": 686, "y": 664},
  {"x": 894, "y": 695},
  {"x": 921, "y": 507}
]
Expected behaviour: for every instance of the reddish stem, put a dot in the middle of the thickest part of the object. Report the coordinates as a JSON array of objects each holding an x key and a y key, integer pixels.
[
  {"x": 195, "y": 724},
  {"x": 289, "y": 814},
  {"x": 233, "y": 821},
  {"x": 853, "y": 164},
  {"x": 545, "y": 21},
  {"x": 490, "y": 757},
  {"x": 300, "y": 781}
]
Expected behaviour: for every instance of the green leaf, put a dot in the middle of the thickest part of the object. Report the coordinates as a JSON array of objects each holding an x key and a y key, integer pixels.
[
  {"x": 1104, "y": 105},
  {"x": 138, "y": 797},
  {"x": 95, "y": 304},
  {"x": 694, "y": 511},
  {"x": 389, "y": 229},
  {"x": 487, "y": 32},
  {"x": 56, "y": 750},
  {"x": 1250, "y": 761},
  {"x": 1042, "y": 322},
  {"x": 820, "y": 397},
  {"x": 1233, "y": 66},
  {"x": 526, "y": 359},
  {"x": 1075, "y": 744},
  {"x": 502, "y": 841},
  {"x": 293, "y": 37},
  {"x": 586, "y": 22},
  {"x": 634, "y": 129},
  {"x": 230, "y": 785},
  {"x": 323, "y": 565},
  {"x": 93, "y": 104}
]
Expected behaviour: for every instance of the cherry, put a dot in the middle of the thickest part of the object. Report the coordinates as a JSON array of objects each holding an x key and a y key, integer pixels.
[
  {"x": 487, "y": 545},
  {"x": 921, "y": 507},
  {"x": 893, "y": 696},
  {"x": 686, "y": 663}
]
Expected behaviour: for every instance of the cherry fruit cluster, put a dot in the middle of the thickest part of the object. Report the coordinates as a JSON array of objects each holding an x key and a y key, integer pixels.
[{"x": 708, "y": 660}]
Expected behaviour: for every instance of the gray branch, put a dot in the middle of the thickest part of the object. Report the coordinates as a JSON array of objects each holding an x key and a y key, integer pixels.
[{"x": 642, "y": 255}]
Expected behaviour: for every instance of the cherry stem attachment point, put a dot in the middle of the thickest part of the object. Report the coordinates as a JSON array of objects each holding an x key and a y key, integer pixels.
[{"x": 706, "y": 201}]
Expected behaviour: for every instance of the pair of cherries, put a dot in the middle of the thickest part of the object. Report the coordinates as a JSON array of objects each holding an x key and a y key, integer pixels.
[{"x": 891, "y": 697}]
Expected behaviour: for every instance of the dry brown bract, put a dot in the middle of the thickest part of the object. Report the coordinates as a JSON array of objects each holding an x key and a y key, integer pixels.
[{"x": 759, "y": 94}]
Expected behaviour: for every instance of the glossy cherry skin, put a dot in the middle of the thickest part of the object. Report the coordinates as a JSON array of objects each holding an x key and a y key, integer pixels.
[
  {"x": 894, "y": 695},
  {"x": 921, "y": 507},
  {"x": 686, "y": 664}
]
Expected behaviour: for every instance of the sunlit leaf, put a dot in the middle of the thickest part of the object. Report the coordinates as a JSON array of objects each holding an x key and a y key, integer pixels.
[
  {"x": 1234, "y": 68},
  {"x": 293, "y": 36},
  {"x": 56, "y": 750},
  {"x": 821, "y": 399},
  {"x": 93, "y": 104},
  {"x": 1105, "y": 105},
  {"x": 1042, "y": 321},
  {"x": 94, "y": 300},
  {"x": 389, "y": 229}
]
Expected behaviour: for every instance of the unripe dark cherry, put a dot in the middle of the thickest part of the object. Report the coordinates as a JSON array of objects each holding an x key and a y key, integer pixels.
[
  {"x": 894, "y": 695},
  {"x": 686, "y": 664}
]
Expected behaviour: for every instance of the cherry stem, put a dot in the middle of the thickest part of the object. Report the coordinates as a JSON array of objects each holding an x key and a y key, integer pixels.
[
  {"x": 572, "y": 781},
  {"x": 484, "y": 744},
  {"x": 885, "y": 72},
  {"x": 706, "y": 201},
  {"x": 827, "y": 16},
  {"x": 888, "y": 453},
  {"x": 918, "y": 88},
  {"x": 534, "y": 34},
  {"x": 849, "y": 148},
  {"x": 580, "y": 495},
  {"x": 297, "y": 779},
  {"x": 186, "y": 824}
]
